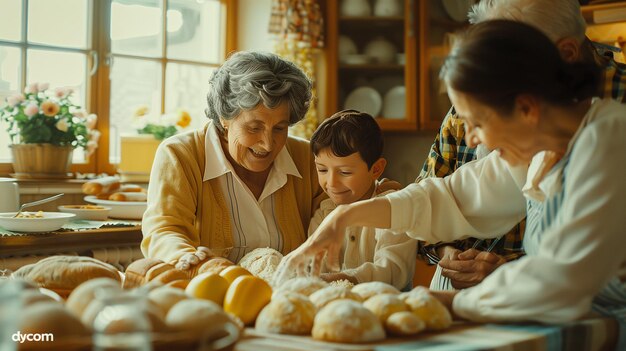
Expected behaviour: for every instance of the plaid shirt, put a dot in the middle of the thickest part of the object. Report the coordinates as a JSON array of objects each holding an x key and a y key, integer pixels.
[{"x": 449, "y": 152}]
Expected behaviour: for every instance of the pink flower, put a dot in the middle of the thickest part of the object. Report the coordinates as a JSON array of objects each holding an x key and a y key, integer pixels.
[
  {"x": 15, "y": 99},
  {"x": 31, "y": 89},
  {"x": 50, "y": 108},
  {"x": 91, "y": 121},
  {"x": 62, "y": 125},
  {"x": 62, "y": 92},
  {"x": 42, "y": 86},
  {"x": 31, "y": 110},
  {"x": 94, "y": 135}
]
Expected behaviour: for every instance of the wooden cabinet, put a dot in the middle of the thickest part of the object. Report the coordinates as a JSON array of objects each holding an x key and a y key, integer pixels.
[
  {"x": 347, "y": 72},
  {"x": 421, "y": 33}
]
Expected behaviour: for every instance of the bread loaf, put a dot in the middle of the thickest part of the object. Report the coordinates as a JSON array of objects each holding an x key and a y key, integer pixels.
[
  {"x": 82, "y": 296},
  {"x": 331, "y": 293},
  {"x": 129, "y": 196},
  {"x": 62, "y": 274},
  {"x": 262, "y": 262},
  {"x": 385, "y": 305},
  {"x": 369, "y": 289},
  {"x": 428, "y": 308},
  {"x": 287, "y": 313},
  {"x": 347, "y": 321},
  {"x": 101, "y": 185},
  {"x": 136, "y": 272},
  {"x": 213, "y": 265},
  {"x": 303, "y": 285},
  {"x": 404, "y": 323}
]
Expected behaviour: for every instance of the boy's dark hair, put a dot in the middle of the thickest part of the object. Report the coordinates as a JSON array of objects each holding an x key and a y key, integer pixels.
[{"x": 347, "y": 132}]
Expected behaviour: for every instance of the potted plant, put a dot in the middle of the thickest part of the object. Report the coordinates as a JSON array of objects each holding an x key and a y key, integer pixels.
[
  {"x": 45, "y": 127},
  {"x": 137, "y": 150}
]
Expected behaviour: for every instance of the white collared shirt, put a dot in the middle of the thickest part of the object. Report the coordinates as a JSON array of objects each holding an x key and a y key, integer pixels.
[{"x": 253, "y": 221}]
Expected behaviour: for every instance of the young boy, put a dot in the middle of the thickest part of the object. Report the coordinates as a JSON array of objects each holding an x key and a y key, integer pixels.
[{"x": 348, "y": 147}]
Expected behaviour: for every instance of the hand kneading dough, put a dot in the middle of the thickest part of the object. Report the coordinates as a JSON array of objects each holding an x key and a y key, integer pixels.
[
  {"x": 303, "y": 285},
  {"x": 347, "y": 321},
  {"x": 385, "y": 305},
  {"x": 262, "y": 262},
  {"x": 428, "y": 308},
  {"x": 404, "y": 323},
  {"x": 369, "y": 289},
  {"x": 287, "y": 313},
  {"x": 331, "y": 293}
]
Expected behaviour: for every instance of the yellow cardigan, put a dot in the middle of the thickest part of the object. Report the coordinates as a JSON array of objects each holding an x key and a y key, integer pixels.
[{"x": 184, "y": 212}]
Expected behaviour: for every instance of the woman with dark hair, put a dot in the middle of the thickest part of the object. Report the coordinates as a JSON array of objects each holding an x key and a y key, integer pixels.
[
  {"x": 240, "y": 182},
  {"x": 560, "y": 159}
]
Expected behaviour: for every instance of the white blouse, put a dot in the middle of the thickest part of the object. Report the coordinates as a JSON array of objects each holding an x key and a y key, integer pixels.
[
  {"x": 576, "y": 258},
  {"x": 253, "y": 221}
]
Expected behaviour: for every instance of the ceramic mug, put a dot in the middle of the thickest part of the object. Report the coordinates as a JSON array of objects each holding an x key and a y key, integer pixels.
[{"x": 10, "y": 195}]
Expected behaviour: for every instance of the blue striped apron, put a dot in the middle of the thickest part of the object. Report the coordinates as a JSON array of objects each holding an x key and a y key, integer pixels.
[{"x": 611, "y": 301}]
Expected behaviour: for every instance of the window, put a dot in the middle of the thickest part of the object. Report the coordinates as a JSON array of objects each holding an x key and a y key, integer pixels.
[{"x": 117, "y": 55}]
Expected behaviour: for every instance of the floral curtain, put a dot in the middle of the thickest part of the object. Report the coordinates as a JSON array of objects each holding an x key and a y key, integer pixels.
[{"x": 299, "y": 31}]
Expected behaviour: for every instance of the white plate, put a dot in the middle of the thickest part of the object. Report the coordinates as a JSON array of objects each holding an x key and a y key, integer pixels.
[
  {"x": 364, "y": 99},
  {"x": 94, "y": 214},
  {"x": 51, "y": 221},
  {"x": 121, "y": 209},
  {"x": 394, "y": 103},
  {"x": 458, "y": 9}
]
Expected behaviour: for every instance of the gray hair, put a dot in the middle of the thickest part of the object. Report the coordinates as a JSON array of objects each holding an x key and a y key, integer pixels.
[
  {"x": 247, "y": 79},
  {"x": 557, "y": 19}
]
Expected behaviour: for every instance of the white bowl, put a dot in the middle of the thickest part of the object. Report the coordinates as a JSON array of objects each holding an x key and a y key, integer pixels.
[
  {"x": 364, "y": 99},
  {"x": 51, "y": 221},
  {"x": 394, "y": 103},
  {"x": 381, "y": 50},
  {"x": 89, "y": 212},
  {"x": 121, "y": 209}
]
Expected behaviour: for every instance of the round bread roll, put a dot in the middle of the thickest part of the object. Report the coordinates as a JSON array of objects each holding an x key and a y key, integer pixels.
[
  {"x": 135, "y": 274},
  {"x": 428, "y": 308},
  {"x": 385, "y": 305},
  {"x": 369, "y": 289},
  {"x": 51, "y": 294},
  {"x": 53, "y": 318},
  {"x": 150, "y": 309},
  {"x": 31, "y": 297},
  {"x": 331, "y": 293},
  {"x": 166, "y": 297},
  {"x": 101, "y": 185},
  {"x": 303, "y": 285},
  {"x": 262, "y": 262},
  {"x": 201, "y": 317},
  {"x": 214, "y": 265},
  {"x": 287, "y": 313},
  {"x": 82, "y": 296},
  {"x": 62, "y": 274},
  {"x": 404, "y": 323},
  {"x": 347, "y": 321}
]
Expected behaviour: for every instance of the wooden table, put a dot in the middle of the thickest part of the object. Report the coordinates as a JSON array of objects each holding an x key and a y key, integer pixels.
[
  {"x": 589, "y": 334},
  {"x": 18, "y": 249}
]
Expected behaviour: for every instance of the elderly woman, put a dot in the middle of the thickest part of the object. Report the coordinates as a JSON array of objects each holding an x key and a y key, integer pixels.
[
  {"x": 560, "y": 156},
  {"x": 240, "y": 182}
]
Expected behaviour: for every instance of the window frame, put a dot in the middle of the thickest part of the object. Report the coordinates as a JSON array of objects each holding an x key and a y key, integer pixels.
[{"x": 98, "y": 84}]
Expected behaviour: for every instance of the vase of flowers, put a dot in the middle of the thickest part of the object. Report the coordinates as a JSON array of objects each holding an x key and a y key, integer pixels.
[{"x": 45, "y": 127}]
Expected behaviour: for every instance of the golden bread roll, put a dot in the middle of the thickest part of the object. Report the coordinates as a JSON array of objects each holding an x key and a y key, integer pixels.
[
  {"x": 166, "y": 297},
  {"x": 303, "y": 285},
  {"x": 82, "y": 296},
  {"x": 428, "y": 308},
  {"x": 196, "y": 316},
  {"x": 135, "y": 274},
  {"x": 62, "y": 274},
  {"x": 129, "y": 196},
  {"x": 101, "y": 185},
  {"x": 50, "y": 318},
  {"x": 328, "y": 294},
  {"x": 347, "y": 321},
  {"x": 385, "y": 305},
  {"x": 369, "y": 289},
  {"x": 179, "y": 284},
  {"x": 103, "y": 196},
  {"x": 287, "y": 313},
  {"x": 404, "y": 323},
  {"x": 262, "y": 262},
  {"x": 213, "y": 265}
]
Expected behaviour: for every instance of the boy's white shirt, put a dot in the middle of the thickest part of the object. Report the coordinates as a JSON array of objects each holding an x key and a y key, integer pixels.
[{"x": 374, "y": 254}]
